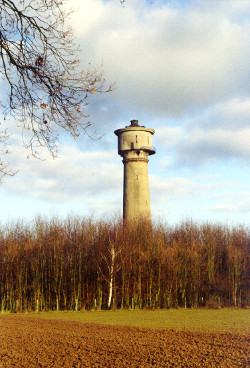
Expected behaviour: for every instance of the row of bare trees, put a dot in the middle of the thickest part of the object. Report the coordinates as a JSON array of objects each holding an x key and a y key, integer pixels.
[{"x": 79, "y": 263}]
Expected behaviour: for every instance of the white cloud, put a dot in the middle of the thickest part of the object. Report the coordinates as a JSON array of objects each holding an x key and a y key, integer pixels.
[
  {"x": 169, "y": 136},
  {"x": 232, "y": 207},
  {"x": 86, "y": 16},
  {"x": 166, "y": 60},
  {"x": 200, "y": 146},
  {"x": 235, "y": 9},
  {"x": 181, "y": 187},
  {"x": 219, "y": 133},
  {"x": 75, "y": 174},
  {"x": 233, "y": 114},
  {"x": 222, "y": 207},
  {"x": 181, "y": 68},
  {"x": 165, "y": 162},
  {"x": 199, "y": 198}
]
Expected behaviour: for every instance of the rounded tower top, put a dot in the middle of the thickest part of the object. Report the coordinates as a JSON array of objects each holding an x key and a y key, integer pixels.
[
  {"x": 134, "y": 126},
  {"x": 134, "y": 123},
  {"x": 135, "y": 137}
]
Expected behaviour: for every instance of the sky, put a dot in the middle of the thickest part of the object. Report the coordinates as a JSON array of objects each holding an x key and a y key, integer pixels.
[{"x": 179, "y": 67}]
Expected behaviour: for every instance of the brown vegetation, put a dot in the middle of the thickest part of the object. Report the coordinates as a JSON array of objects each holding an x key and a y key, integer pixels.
[{"x": 78, "y": 264}]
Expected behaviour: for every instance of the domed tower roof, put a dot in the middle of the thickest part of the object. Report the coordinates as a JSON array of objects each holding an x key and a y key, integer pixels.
[{"x": 135, "y": 137}]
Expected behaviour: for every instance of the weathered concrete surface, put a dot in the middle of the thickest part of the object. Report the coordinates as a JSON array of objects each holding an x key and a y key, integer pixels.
[
  {"x": 135, "y": 145},
  {"x": 136, "y": 198}
]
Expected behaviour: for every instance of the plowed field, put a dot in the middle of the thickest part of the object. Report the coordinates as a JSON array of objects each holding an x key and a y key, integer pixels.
[{"x": 36, "y": 342}]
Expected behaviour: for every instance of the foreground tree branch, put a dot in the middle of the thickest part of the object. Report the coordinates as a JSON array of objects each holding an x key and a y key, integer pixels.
[
  {"x": 4, "y": 167},
  {"x": 44, "y": 87}
]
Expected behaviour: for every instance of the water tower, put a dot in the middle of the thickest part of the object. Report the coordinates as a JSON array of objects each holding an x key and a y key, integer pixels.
[{"x": 135, "y": 145}]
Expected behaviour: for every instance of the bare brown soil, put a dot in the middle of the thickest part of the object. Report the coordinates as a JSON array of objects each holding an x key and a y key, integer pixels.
[{"x": 36, "y": 342}]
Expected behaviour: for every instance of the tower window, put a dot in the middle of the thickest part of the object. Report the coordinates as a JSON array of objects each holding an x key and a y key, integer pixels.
[{"x": 136, "y": 139}]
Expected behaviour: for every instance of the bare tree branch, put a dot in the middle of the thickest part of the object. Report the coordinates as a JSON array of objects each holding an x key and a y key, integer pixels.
[
  {"x": 45, "y": 87},
  {"x": 4, "y": 167}
]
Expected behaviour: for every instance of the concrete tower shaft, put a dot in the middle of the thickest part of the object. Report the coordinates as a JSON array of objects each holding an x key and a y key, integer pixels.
[{"x": 135, "y": 145}]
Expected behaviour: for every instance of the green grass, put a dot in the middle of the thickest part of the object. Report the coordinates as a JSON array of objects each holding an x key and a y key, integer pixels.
[{"x": 200, "y": 320}]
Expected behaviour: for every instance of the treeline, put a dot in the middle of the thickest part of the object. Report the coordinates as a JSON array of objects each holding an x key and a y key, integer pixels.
[{"x": 79, "y": 263}]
